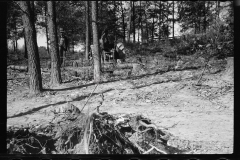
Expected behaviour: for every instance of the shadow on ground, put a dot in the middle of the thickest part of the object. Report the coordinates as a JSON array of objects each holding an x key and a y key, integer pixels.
[{"x": 58, "y": 103}]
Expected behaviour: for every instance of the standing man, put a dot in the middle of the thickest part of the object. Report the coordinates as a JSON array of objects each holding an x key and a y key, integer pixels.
[
  {"x": 63, "y": 46},
  {"x": 104, "y": 41}
]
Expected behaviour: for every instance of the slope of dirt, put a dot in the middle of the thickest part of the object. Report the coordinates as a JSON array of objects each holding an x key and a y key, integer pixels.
[{"x": 199, "y": 117}]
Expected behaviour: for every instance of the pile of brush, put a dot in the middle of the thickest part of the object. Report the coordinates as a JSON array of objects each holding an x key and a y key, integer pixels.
[{"x": 97, "y": 133}]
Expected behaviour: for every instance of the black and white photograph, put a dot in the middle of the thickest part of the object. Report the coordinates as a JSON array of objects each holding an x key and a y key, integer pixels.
[{"x": 119, "y": 77}]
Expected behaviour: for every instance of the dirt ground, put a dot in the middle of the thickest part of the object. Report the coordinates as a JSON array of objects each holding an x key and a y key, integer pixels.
[{"x": 199, "y": 116}]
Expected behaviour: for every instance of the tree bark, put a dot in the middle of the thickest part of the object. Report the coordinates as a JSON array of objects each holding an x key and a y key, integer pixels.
[
  {"x": 16, "y": 35},
  {"x": 35, "y": 79},
  {"x": 133, "y": 21},
  {"x": 25, "y": 44},
  {"x": 96, "y": 55},
  {"x": 141, "y": 22},
  {"x": 16, "y": 45},
  {"x": 33, "y": 11},
  {"x": 72, "y": 43},
  {"x": 218, "y": 8},
  {"x": 146, "y": 27},
  {"x": 173, "y": 19},
  {"x": 153, "y": 24},
  {"x": 115, "y": 24},
  {"x": 87, "y": 30},
  {"x": 167, "y": 20},
  {"x": 129, "y": 21},
  {"x": 160, "y": 20},
  {"x": 123, "y": 22},
  {"x": 47, "y": 38},
  {"x": 153, "y": 29},
  {"x": 55, "y": 58}
]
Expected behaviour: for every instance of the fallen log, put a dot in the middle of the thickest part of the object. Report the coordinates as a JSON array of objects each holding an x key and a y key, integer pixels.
[
  {"x": 25, "y": 69},
  {"x": 20, "y": 68},
  {"x": 122, "y": 72},
  {"x": 119, "y": 66},
  {"x": 77, "y": 63},
  {"x": 79, "y": 72}
]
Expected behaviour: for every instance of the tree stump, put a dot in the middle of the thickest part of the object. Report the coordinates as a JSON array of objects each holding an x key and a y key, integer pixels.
[
  {"x": 228, "y": 74},
  {"x": 136, "y": 68}
]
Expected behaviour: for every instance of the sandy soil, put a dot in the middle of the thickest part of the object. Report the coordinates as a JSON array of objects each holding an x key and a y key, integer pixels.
[{"x": 198, "y": 116}]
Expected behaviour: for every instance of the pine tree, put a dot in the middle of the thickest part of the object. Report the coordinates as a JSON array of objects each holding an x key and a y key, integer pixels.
[
  {"x": 55, "y": 59},
  {"x": 87, "y": 29},
  {"x": 96, "y": 56},
  {"x": 35, "y": 79}
]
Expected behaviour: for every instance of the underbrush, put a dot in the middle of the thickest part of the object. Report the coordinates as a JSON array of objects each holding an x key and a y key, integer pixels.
[
  {"x": 216, "y": 41},
  {"x": 105, "y": 134}
]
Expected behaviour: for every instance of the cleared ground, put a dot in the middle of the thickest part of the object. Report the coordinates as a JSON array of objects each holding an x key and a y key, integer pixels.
[{"x": 200, "y": 117}]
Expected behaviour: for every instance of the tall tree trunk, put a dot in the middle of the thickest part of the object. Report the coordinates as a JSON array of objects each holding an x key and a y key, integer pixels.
[
  {"x": 160, "y": 20},
  {"x": 195, "y": 26},
  {"x": 167, "y": 19},
  {"x": 72, "y": 43},
  {"x": 153, "y": 29},
  {"x": 46, "y": 27},
  {"x": 173, "y": 19},
  {"x": 153, "y": 24},
  {"x": 133, "y": 21},
  {"x": 199, "y": 18},
  {"x": 87, "y": 29},
  {"x": 123, "y": 23},
  {"x": 33, "y": 11},
  {"x": 25, "y": 45},
  {"x": 129, "y": 21},
  {"x": 73, "y": 47},
  {"x": 16, "y": 45},
  {"x": 100, "y": 18},
  {"x": 218, "y": 8},
  {"x": 96, "y": 55},
  {"x": 146, "y": 27},
  {"x": 141, "y": 22},
  {"x": 199, "y": 25},
  {"x": 97, "y": 9},
  {"x": 14, "y": 33},
  {"x": 205, "y": 17},
  {"x": 115, "y": 11},
  {"x": 15, "y": 38},
  {"x": 55, "y": 58},
  {"x": 35, "y": 79},
  {"x": 13, "y": 44}
]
